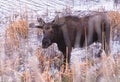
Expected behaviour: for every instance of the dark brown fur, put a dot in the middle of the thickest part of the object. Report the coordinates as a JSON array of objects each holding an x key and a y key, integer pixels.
[{"x": 69, "y": 31}]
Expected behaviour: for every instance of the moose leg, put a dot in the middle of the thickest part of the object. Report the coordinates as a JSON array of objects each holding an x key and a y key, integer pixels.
[
  {"x": 67, "y": 41},
  {"x": 98, "y": 31},
  {"x": 62, "y": 48},
  {"x": 90, "y": 34},
  {"x": 77, "y": 39},
  {"x": 107, "y": 38},
  {"x": 69, "y": 53}
]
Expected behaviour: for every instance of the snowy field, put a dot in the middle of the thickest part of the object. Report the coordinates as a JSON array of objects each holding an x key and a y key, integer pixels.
[
  {"x": 21, "y": 62},
  {"x": 50, "y": 7}
]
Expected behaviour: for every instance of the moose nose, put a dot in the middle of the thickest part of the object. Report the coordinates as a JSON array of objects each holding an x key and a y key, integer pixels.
[{"x": 46, "y": 43}]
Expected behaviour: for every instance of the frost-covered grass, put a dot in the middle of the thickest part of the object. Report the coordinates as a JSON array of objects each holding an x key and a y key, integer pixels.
[{"x": 23, "y": 60}]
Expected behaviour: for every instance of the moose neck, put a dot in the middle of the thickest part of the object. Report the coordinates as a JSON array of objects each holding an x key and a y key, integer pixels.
[{"x": 59, "y": 39}]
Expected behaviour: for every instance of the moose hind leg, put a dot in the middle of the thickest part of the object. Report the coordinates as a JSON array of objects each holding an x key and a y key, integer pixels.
[
  {"x": 89, "y": 37},
  {"x": 77, "y": 40},
  {"x": 107, "y": 39},
  {"x": 98, "y": 32}
]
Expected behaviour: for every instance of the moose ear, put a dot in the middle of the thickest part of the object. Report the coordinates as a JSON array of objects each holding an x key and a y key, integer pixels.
[
  {"x": 41, "y": 22},
  {"x": 32, "y": 25},
  {"x": 56, "y": 20}
]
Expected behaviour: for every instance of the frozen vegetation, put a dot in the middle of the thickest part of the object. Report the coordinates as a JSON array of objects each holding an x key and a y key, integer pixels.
[{"x": 30, "y": 49}]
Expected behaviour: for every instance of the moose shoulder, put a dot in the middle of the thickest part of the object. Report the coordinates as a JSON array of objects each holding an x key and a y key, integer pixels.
[{"x": 70, "y": 31}]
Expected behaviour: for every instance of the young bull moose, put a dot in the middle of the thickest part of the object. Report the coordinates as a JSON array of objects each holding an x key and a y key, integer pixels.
[{"x": 70, "y": 31}]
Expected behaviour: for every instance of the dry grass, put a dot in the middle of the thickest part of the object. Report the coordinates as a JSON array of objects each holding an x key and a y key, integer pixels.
[
  {"x": 115, "y": 24},
  {"x": 114, "y": 17},
  {"x": 18, "y": 28},
  {"x": 20, "y": 66},
  {"x": 15, "y": 31}
]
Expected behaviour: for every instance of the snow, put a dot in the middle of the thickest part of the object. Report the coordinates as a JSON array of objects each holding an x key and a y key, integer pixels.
[
  {"x": 115, "y": 47},
  {"x": 47, "y": 9},
  {"x": 41, "y": 6}
]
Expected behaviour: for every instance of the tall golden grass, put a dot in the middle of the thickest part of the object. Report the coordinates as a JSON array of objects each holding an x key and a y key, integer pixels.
[
  {"x": 115, "y": 22},
  {"x": 108, "y": 71},
  {"x": 114, "y": 18},
  {"x": 16, "y": 30}
]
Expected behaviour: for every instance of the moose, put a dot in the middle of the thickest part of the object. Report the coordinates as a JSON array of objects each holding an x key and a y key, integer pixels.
[{"x": 73, "y": 31}]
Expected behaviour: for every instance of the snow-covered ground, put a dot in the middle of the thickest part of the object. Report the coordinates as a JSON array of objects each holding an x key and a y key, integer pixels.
[{"x": 49, "y": 7}]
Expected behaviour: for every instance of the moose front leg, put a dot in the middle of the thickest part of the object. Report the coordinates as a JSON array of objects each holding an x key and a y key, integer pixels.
[{"x": 67, "y": 42}]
